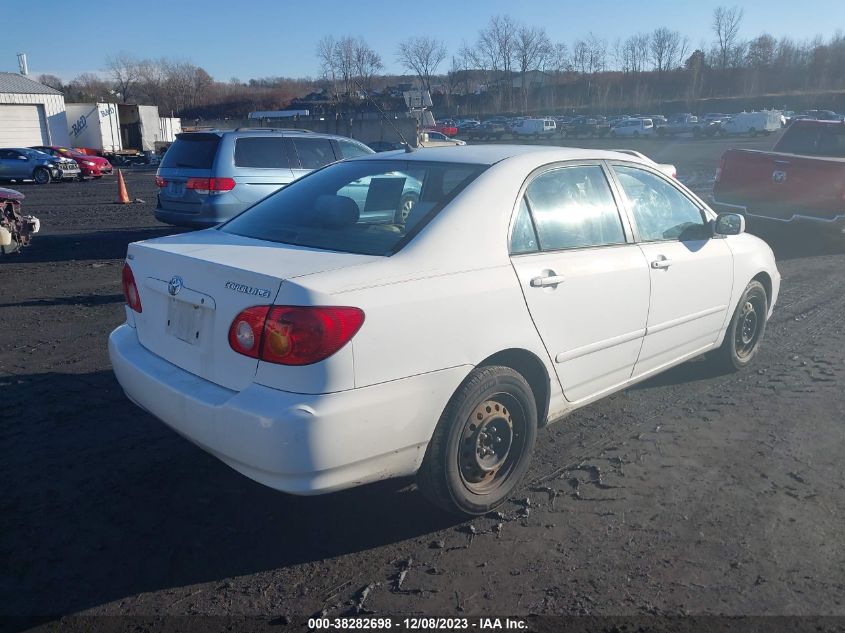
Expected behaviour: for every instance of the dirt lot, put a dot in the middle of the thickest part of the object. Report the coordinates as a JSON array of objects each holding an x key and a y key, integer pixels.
[{"x": 692, "y": 493}]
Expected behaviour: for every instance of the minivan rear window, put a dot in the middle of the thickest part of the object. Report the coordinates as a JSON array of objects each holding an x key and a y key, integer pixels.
[
  {"x": 370, "y": 207},
  {"x": 192, "y": 150},
  {"x": 262, "y": 152}
]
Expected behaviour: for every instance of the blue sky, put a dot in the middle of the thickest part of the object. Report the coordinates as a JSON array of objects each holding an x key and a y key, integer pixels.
[{"x": 260, "y": 38}]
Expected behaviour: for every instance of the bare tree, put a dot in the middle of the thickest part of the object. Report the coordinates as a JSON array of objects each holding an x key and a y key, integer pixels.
[
  {"x": 124, "y": 72},
  {"x": 422, "y": 56},
  {"x": 52, "y": 81},
  {"x": 668, "y": 49},
  {"x": 88, "y": 87},
  {"x": 531, "y": 49},
  {"x": 367, "y": 64},
  {"x": 494, "y": 52},
  {"x": 726, "y": 24},
  {"x": 326, "y": 48}
]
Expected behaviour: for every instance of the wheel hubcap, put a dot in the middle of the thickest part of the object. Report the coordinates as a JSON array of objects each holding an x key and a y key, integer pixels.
[
  {"x": 486, "y": 442},
  {"x": 749, "y": 324}
]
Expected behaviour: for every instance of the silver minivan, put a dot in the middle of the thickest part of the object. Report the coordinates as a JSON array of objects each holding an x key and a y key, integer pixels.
[{"x": 207, "y": 177}]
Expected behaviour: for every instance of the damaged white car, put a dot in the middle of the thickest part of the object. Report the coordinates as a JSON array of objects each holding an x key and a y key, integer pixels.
[{"x": 16, "y": 230}]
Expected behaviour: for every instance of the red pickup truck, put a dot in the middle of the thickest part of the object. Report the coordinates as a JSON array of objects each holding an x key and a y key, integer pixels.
[{"x": 802, "y": 178}]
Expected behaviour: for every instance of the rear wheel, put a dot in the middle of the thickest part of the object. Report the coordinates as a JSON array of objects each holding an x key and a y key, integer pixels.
[
  {"x": 482, "y": 444},
  {"x": 746, "y": 329},
  {"x": 41, "y": 175}
]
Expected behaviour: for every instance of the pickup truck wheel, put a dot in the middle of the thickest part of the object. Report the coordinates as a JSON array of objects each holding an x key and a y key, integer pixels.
[
  {"x": 482, "y": 444},
  {"x": 41, "y": 176},
  {"x": 746, "y": 329}
]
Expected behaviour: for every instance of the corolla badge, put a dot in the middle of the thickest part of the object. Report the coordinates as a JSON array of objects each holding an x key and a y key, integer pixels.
[
  {"x": 778, "y": 176},
  {"x": 174, "y": 285},
  {"x": 248, "y": 290}
]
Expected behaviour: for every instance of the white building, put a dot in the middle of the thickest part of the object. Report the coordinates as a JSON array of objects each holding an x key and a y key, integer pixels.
[{"x": 30, "y": 113}]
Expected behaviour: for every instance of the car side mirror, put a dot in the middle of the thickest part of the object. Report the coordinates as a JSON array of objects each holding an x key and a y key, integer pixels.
[{"x": 729, "y": 224}]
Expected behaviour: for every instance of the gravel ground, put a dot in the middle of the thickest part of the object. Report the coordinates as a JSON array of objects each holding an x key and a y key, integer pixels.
[{"x": 692, "y": 493}]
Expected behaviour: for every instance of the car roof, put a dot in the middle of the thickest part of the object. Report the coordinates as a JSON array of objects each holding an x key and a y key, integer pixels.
[
  {"x": 492, "y": 154},
  {"x": 279, "y": 131}
]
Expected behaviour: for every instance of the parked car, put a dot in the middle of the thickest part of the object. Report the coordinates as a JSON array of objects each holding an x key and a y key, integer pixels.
[
  {"x": 432, "y": 138},
  {"x": 752, "y": 123},
  {"x": 634, "y": 128},
  {"x": 584, "y": 126},
  {"x": 819, "y": 115},
  {"x": 682, "y": 124},
  {"x": 313, "y": 350},
  {"x": 16, "y": 229},
  {"x": 448, "y": 128},
  {"x": 535, "y": 128},
  {"x": 489, "y": 131},
  {"x": 23, "y": 163},
  {"x": 208, "y": 177},
  {"x": 89, "y": 166},
  {"x": 801, "y": 180}
]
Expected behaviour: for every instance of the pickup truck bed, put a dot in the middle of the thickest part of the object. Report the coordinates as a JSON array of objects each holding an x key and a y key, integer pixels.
[{"x": 803, "y": 178}]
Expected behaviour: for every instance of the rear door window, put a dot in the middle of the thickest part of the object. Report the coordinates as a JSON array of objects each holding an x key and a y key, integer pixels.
[
  {"x": 192, "y": 150},
  {"x": 314, "y": 152},
  {"x": 573, "y": 207},
  {"x": 261, "y": 152}
]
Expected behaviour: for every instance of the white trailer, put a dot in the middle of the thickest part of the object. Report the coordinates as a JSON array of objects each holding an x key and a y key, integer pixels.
[
  {"x": 94, "y": 126},
  {"x": 753, "y": 123}
]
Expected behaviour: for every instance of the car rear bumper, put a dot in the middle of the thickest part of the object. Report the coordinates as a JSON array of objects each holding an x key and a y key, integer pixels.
[
  {"x": 205, "y": 214},
  {"x": 827, "y": 219},
  {"x": 298, "y": 443}
]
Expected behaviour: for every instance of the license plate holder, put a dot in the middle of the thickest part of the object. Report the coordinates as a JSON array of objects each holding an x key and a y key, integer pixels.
[
  {"x": 175, "y": 188},
  {"x": 184, "y": 321}
]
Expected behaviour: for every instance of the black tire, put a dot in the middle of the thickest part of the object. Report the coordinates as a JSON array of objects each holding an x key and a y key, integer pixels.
[
  {"x": 493, "y": 407},
  {"x": 746, "y": 329},
  {"x": 636, "y": 134},
  {"x": 41, "y": 175},
  {"x": 406, "y": 205}
]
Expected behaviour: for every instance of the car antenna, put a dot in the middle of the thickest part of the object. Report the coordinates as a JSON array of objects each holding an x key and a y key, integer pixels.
[{"x": 408, "y": 148}]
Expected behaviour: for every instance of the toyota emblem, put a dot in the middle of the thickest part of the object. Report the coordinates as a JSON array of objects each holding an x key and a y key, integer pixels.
[{"x": 174, "y": 286}]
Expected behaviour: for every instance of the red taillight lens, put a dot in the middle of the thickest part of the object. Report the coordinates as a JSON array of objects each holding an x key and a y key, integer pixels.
[
  {"x": 160, "y": 182},
  {"x": 130, "y": 289},
  {"x": 246, "y": 331},
  {"x": 293, "y": 335},
  {"x": 210, "y": 185}
]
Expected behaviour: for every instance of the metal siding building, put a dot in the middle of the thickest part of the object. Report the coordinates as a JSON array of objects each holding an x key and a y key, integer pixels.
[{"x": 30, "y": 113}]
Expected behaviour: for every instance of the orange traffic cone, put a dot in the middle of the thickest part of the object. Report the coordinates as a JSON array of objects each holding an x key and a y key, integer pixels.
[{"x": 122, "y": 195}]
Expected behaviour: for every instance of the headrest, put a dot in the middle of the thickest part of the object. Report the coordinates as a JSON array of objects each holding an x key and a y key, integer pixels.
[{"x": 335, "y": 212}]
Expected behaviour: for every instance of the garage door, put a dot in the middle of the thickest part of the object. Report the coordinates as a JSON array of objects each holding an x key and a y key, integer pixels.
[{"x": 22, "y": 126}]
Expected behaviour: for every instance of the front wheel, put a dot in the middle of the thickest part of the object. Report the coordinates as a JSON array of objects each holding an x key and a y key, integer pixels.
[
  {"x": 746, "y": 329},
  {"x": 406, "y": 205},
  {"x": 41, "y": 176},
  {"x": 482, "y": 444}
]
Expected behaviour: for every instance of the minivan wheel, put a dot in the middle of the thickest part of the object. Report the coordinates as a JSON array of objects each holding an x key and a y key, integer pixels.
[
  {"x": 482, "y": 444},
  {"x": 41, "y": 176},
  {"x": 406, "y": 205},
  {"x": 746, "y": 329}
]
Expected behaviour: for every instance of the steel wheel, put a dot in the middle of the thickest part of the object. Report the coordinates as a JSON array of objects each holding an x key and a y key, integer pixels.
[{"x": 748, "y": 327}]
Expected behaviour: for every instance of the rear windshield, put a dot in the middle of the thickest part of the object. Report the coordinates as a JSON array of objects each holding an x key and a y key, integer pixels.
[
  {"x": 364, "y": 206},
  {"x": 814, "y": 140},
  {"x": 192, "y": 150}
]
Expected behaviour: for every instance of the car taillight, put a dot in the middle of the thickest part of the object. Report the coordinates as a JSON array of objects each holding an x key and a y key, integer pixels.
[
  {"x": 160, "y": 182},
  {"x": 210, "y": 185},
  {"x": 720, "y": 169},
  {"x": 293, "y": 335},
  {"x": 130, "y": 289},
  {"x": 247, "y": 329}
]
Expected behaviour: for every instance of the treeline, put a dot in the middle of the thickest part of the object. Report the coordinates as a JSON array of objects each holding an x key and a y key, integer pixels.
[{"x": 509, "y": 66}]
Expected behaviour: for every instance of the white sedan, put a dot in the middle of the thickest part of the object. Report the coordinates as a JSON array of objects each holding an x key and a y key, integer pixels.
[{"x": 313, "y": 348}]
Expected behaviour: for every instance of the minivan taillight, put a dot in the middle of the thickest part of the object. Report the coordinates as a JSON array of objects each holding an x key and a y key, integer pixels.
[
  {"x": 160, "y": 182},
  {"x": 130, "y": 289},
  {"x": 210, "y": 185},
  {"x": 293, "y": 335}
]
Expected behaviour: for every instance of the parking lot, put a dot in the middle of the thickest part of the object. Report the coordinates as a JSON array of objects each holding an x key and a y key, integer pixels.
[{"x": 694, "y": 492}]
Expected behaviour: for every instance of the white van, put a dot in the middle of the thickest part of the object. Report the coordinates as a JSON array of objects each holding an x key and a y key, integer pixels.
[
  {"x": 633, "y": 127},
  {"x": 752, "y": 123},
  {"x": 535, "y": 127}
]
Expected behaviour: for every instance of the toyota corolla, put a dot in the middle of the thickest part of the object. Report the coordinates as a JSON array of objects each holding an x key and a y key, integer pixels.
[{"x": 318, "y": 341}]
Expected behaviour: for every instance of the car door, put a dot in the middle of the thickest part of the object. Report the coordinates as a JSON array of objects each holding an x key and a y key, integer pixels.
[
  {"x": 260, "y": 167},
  {"x": 14, "y": 165},
  {"x": 585, "y": 283},
  {"x": 691, "y": 271}
]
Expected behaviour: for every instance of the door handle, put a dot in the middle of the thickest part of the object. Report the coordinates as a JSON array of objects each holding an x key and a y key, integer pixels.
[
  {"x": 658, "y": 264},
  {"x": 545, "y": 281}
]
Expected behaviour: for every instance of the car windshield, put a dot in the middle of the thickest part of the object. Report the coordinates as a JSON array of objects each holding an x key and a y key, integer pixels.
[{"x": 364, "y": 206}]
